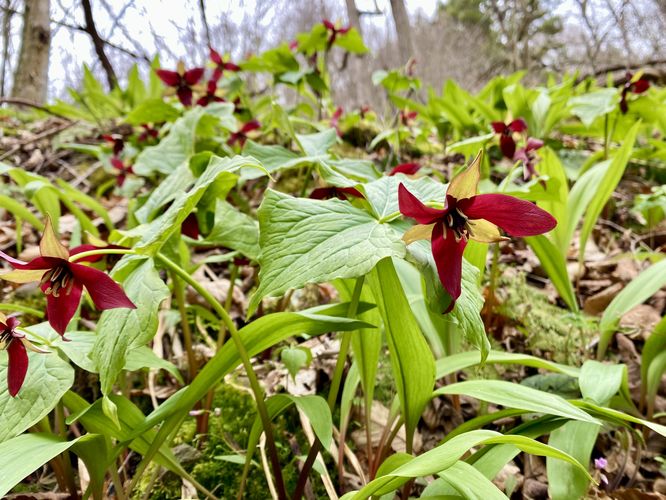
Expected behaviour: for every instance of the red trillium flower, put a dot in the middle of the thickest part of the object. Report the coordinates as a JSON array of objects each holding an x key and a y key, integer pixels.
[
  {"x": 335, "y": 120},
  {"x": 341, "y": 193},
  {"x": 293, "y": 45},
  {"x": 405, "y": 168},
  {"x": 63, "y": 281},
  {"x": 149, "y": 132},
  {"x": 528, "y": 156},
  {"x": 241, "y": 136},
  {"x": 221, "y": 65},
  {"x": 116, "y": 141},
  {"x": 182, "y": 81},
  {"x": 637, "y": 86},
  {"x": 122, "y": 168},
  {"x": 16, "y": 344},
  {"x": 507, "y": 144},
  {"x": 209, "y": 96},
  {"x": 333, "y": 31},
  {"x": 467, "y": 215},
  {"x": 407, "y": 116}
]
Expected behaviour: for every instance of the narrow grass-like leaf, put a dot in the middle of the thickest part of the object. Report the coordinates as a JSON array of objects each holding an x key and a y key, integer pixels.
[
  {"x": 641, "y": 288},
  {"x": 517, "y": 396},
  {"x": 564, "y": 480},
  {"x": 462, "y": 479},
  {"x": 412, "y": 362},
  {"x": 555, "y": 265}
]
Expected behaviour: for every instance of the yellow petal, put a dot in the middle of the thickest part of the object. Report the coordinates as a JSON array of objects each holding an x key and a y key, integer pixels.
[
  {"x": 418, "y": 232},
  {"x": 3, "y": 319},
  {"x": 95, "y": 241},
  {"x": 180, "y": 68},
  {"x": 485, "y": 232},
  {"x": 23, "y": 276},
  {"x": 465, "y": 184},
  {"x": 50, "y": 246},
  {"x": 32, "y": 347}
]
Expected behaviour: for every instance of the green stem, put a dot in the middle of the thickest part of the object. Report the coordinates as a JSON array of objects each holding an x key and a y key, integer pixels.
[
  {"x": 19, "y": 308},
  {"x": 333, "y": 392},
  {"x": 101, "y": 251},
  {"x": 178, "y": 290},
  {"x": 66, "y": 462},
  {"x": 247, "y": 365}
]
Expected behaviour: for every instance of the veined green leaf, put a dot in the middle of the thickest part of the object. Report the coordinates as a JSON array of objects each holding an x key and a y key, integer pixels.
[
  {"x": 310, "y": 241},
  {"x": 24, "y": 454},
  {"x": 121, "y": 330},
  {"x": 48, "y": 378}
]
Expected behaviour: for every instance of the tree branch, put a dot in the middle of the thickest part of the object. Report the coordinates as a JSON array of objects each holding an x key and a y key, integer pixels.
[{"x": 98, "y": 43}]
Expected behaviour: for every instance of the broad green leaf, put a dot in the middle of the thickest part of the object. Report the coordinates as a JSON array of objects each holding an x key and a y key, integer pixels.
[
  {"x": 22, "y": 455},
  {"x": 216, "y": 181},
  {"x": 295, "y": 358},
  {"x": 351, "y": 42},
  {"x": 172, "y": 150},
  {"x": 517, "y": 396},
  {"x": 95, "y": 451},
  {"x": 234, "y": 229},
  {"x": 412, "y": 362},
  {"x": 152, "y": 111},
  {"x": 121, "y": 330},
  {"x": 167, "y": 190},
  {"x": 589, "y": 107},
  {"x": 551, "y": 166},
  {"x": 446, "y": 455},
  {"x": 555, "y": 265},
  {"x": 318, "y": 144},
  {"x": 469, "y": 147},
  {"x": 310, "y": 241},
  {"x": 48, "y": 378},
  {"x": 355, "y": 168},
  {"x": 464, "y": 360},
  {"x": 273, "y": 158},
  {"x": 144, "y": 357},
  {"x": 382, "y": 194},
  {"x": 604, "y": 190},
  {"x": 599, "y": 382},
  {"x": 464, "y": 480},
  {"x": 565, "y": 481},
  {"x": 641, "y": 288}
]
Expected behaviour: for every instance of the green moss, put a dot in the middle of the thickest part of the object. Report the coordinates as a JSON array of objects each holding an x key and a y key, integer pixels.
[{"x": 547, "y": 328}]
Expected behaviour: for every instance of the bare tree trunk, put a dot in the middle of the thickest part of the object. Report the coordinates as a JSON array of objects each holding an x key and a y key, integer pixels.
[
  {"x": 98, "y": 43},
  {"x": 6, "y": 29},
  {"x": 31, "y": 76},
  {"x": 401, "y": 20},
  {"x": 356, "y": 69}
]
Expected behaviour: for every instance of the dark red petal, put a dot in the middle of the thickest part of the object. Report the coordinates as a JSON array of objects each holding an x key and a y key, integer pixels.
[
  {"x": 185, "y": 96},
  {"x": 170, "y": 78},
  {"x": 507, "y": 146},
  {"x": 104, "y": 292},
  {"x": 533, "y": 144},
  {"x": 516, "y": 217},
  {"x": 204, "y": 100},
  {"x": 229, "y": 66},
  {"x": 351, "y": 192},
  {"x": 217, "y": 74},
  {"x": 117, "y": 163},
  {"x": 190, "y": 227},
  {"x": 329, "y": 25},
  {"x": 518, "y": 125},
  {"x": 624, "y": 107},
  {"x": 411, "y": 206},
  {"x": 405, "y": 168},
  {"x": 193, "y": 75},
  {"x": 448, "y": 254},
  {"x": 60, "y": 310},
  {"x": 36, "y": 263},
  {"x": 211, "y": 87},
  {"x": 323, "y": 193},
  {"x": 520, "y": 155},
  {"x": 250, "y": 126},
  {"x": 18, "y": 366},
  {"x": 342, "y": 31},
  {"x": 234, "y": 138},
  {"x": 498, "y": 127},
  {"x": 640, "y": 86},
  {"x": 215, "y": 56}
]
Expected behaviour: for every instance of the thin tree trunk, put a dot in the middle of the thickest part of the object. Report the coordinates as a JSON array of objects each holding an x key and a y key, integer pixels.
[
  {"x": 356, "y": 70},
  {"x": 403, "y": 29},
  {"x": 6, "y": 28},
  {"x": 98, "y": 43},
  {"x": 31, "y": 76}
]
